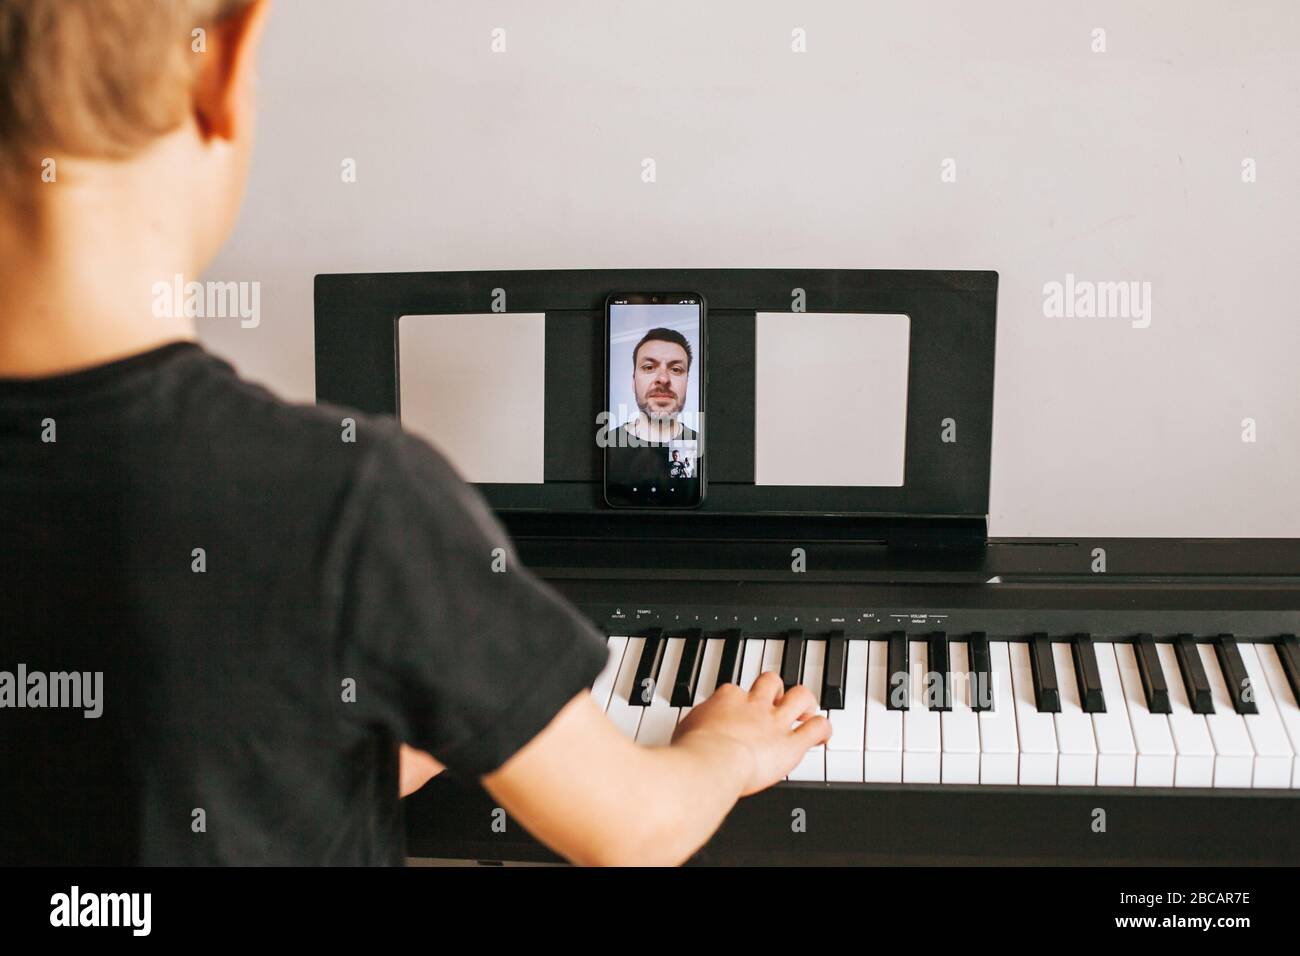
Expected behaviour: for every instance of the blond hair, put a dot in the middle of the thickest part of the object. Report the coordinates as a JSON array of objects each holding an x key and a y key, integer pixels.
[{"x": 96, "y": 78}]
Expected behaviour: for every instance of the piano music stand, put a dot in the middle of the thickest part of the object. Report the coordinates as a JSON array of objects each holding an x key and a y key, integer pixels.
[{"x": 953, "y": 318}]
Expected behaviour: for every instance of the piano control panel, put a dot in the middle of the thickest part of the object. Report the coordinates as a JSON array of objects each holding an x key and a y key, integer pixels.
[{"x": 1014, "y": 624}]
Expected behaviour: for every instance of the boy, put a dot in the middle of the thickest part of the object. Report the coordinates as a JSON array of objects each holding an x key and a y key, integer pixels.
[{"x": 226, "y": 619}]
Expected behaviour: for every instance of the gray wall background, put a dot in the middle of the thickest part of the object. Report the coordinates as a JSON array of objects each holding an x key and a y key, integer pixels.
[{"x": 1116, "y": 166}]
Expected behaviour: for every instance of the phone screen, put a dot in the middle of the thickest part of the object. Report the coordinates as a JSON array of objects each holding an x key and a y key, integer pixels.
[{"x": 653, "y": 432}]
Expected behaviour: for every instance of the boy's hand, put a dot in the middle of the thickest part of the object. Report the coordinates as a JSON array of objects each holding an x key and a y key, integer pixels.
[
  {"x": 416, "y": 769},
  {"x": 761, "y": 721}
]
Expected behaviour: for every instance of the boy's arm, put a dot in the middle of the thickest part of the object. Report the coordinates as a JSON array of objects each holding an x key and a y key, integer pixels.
[
  {"x": 474, "y": 660},
  {"x": 416, "y": 769},
  {"x": 595, "y": 797}
]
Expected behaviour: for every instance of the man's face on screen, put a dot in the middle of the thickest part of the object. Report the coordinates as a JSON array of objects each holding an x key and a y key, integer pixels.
[{"x": 659, "y": 378}]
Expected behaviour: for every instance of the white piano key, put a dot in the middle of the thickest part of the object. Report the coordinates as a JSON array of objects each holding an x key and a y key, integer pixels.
[
  {"x": 1234, "y": 754},
  {"x": 660, "y": 717},
  {"x": 883, "y": 758},
  {"x": 922, "y": 751},
  {"x": 814, "y": 665},
  {"x": 1116, "y": 748},
  {"x": 752, "y": 663},
  {"x": 999, "y": 740},
  {"x": 1076, "y": 746},
  {"x": 626, "y": 717},
  {"x": 1038, "y": 753},
  {"x": 604, "y": 684},
  {"x": 1274, "y": 753},
  {"x": 1195, "y": 764},
  {"x": 708, "y": 681},
  {"x": 845, "y": 749},
  {"x": 812, "y": 766},
  {"x": 773, "y": 651},
  {"x": 1156, "y": 755},
  {"x": 1288, "y": 709},
  {"x": 960, "y": 727}
]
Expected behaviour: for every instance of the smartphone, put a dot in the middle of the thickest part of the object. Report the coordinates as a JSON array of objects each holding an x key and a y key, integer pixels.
[{"x": 652, "y": 433}]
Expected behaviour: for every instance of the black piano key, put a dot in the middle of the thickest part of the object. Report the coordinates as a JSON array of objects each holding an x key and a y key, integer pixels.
[
  {"x": 688, "y": 671},
  {"x": 733, "y": 655},
  {"x": 1088, "y": 674},
  {"x": 981, "y": 668},
  {"x": 1234, "y": 674},
  {"x": 939, "y": 690},
  {"x": 835, "y": 673},
  {"x": 1047, "y": 692},
  {"x": 1154, "y": 685},
  {"x": 647, "y": 669},
  {"x": 1288, "y": 652},
  {"x": 1195, "y": 679},
  {"x": 792, "y": 658},
  {"x": 897, "y": 691}
]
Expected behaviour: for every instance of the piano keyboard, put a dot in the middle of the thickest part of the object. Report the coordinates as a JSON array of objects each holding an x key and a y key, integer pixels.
[{"x": 967, "y": 709}]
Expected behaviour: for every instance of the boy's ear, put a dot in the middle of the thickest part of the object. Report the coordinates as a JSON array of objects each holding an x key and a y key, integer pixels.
[{"x": 222, "y": 104}]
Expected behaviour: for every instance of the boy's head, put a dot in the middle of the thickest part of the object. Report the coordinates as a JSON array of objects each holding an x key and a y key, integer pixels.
[{"x": 94, "y": 90}]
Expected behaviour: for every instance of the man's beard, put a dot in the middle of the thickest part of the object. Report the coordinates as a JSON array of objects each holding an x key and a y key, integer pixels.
[{"x": 659, "y": 416}]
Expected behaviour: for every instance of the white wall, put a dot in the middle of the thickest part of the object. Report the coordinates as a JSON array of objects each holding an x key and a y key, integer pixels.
[{"x": 1122, "y": 165}]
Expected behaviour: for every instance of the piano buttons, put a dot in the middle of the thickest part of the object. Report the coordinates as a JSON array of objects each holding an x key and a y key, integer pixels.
[
  {"x": 1047, "y": 691},
  {"x": 999, "y": 741},
  {"x": 1156, "y": 755},
  {"x": 922, "y": 756},
  {"x": 1116, "y": 748},
  {"x": 835, "y": 674},
  {"x": 897, "y": 688},
  {"x": 647, "y": 671},
  {"x": 1193, "y": 672},
  {"x": 792, "y": 658},
  {"x": 959, "y": 725},
  {"x": 981, "y": 671},
  {"x": 604, "y": 684},
  {"x": 883, "y": 759},
  {"x": 1234, "y": 754},
  {"x": 1154, "y": 686},
  {"x": 1274, "y": 753},
  {"x": 1037, "y": 729},
  {"x": 729, "y": 665},
  {"x": 1194, "y": 765},
  {"x": 845, "y": 750},
  {"x": 1076, "y": 745},
  {"x": 938, "y": 695},
  {"x": 1085, "y": 669},
  {"x": 1234, "y": 675},
  {"x": 688, "y": 672}
]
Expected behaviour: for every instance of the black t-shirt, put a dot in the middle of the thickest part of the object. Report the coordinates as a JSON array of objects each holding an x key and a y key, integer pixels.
[
  {"x": 272, "y": 608},
  {"x": 633, "y": 461}
]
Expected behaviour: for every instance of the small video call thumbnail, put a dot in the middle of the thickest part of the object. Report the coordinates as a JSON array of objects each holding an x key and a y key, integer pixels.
[{"x": 683, "y": 459}]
